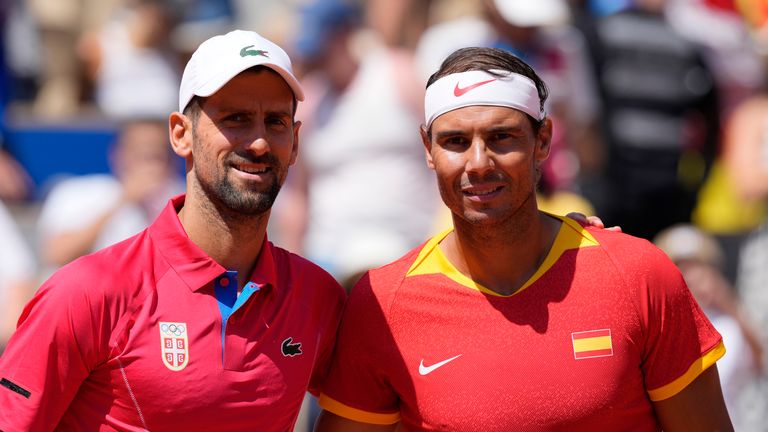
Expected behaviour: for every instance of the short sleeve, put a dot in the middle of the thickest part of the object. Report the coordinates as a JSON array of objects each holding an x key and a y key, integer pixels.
[
  {"x": 56, "y": 344},
  {"x": 356, "y": 387},
  {"x": 680, "y": 340}
]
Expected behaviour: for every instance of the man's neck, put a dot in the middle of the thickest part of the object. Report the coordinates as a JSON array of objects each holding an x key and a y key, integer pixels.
[
  {"x": 501, "y": 258},
  {"x": 234, "y": 242}
]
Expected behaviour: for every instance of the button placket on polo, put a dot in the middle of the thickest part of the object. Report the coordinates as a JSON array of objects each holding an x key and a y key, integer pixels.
[{"x": 232, "y": 344}]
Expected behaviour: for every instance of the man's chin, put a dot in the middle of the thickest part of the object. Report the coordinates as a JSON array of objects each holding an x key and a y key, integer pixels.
[
  {"x": 249, "y": 203},
  {"x": 482, "y": 218}
]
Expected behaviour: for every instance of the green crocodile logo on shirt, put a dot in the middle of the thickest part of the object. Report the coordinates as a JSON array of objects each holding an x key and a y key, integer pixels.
[{"x": 249, "y": 52}]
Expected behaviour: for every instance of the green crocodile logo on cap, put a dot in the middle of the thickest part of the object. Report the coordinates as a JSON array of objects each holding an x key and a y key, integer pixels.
[{"x": 249, "y": 52}]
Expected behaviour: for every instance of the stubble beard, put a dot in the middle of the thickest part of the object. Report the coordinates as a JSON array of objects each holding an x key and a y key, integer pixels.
[
  {"x": 235, "y": 202},
  {"x": 243, "y": 202}
]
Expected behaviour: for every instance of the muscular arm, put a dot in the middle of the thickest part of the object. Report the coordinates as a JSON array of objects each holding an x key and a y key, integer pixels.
[
  {"x": 700, "y": 406},
  {"x": 329, "y": 422}
]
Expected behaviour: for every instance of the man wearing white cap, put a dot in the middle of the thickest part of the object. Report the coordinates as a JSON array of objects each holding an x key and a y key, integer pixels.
[
  {"x": 515, "y": 319},
  {"x": 198, "y": 322}
]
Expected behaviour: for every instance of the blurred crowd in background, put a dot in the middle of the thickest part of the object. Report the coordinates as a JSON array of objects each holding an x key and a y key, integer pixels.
[{"x": 660, "y": 110}]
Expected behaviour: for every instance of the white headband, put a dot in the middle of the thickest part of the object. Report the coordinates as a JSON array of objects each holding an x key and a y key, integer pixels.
[{"x": 481, "y": 88}]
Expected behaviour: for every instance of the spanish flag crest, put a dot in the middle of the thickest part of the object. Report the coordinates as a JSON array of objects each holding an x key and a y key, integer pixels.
[{"x": 592, "y": 343}]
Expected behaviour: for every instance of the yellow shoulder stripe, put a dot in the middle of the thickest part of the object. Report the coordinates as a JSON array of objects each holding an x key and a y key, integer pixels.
[
  {"x": 699, "y": 366},
  {"x": 346, "y": 411}
]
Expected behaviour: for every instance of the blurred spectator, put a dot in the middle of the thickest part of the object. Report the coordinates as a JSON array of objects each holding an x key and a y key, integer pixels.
[
  {"x": 745, "y": 157},
  {"x": 17, "y": 274},
  {"x": 4, "y": 73},
  {"x": 700, "y": 261},
  {"x": 540, "y": 33},
  {"x": 752, "y": 285},
  {"x": 14, "y": 181},
  {"x": 660, "y": 120},
  {"x": 130, "y": 63},
  {"x": 199, "y": 20},
  {"x": 86, "y": 213},
  {"x": 59, "y": 24},
  {"x": 728, "y": 46},
  {"x": 745, "y": 149},
  {"x": 399, "y": 23},
  {"x": 361, "y": 172},
  {"x": 756, "y": 14},
  {"x": 733, "y": 203}
]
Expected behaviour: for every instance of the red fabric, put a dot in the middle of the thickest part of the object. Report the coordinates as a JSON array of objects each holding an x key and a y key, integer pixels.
[
  {"x": 517, "y": 368},
  {"x": 724, "y": 5},
  {"x": 88, "y": 346}
]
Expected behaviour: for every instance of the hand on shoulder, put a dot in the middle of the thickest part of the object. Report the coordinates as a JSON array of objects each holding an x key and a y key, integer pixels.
[{"x": 591, "y": 221}]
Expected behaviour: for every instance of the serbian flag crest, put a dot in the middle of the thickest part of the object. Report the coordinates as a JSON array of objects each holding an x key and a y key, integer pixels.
[
  {"x": 174, "y": 345},
  {"x": 592, "y": 343}
]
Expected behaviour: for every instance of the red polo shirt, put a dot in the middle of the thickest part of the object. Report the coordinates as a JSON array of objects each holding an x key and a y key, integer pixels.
[{"x": 148, "y": 334}]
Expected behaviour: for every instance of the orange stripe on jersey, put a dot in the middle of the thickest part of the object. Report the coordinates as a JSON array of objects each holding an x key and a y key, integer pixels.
[
  {"x": 593, "y": 343},
  {"x": 329, "y": 404},
  {"x": 694, "y": 371}
]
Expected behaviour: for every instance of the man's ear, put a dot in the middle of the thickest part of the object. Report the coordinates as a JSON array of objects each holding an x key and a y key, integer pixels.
[
  {"x": 180, "y": 131},
  {"x": 295, "y": 149},
  {"x": 427, "y": 146},
  {"x": 544, "y": 140}
]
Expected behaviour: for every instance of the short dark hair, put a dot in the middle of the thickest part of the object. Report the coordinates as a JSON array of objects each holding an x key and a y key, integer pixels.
[
  {"x": 193, "y": 108},
  {"x": 488, "y": 60}
]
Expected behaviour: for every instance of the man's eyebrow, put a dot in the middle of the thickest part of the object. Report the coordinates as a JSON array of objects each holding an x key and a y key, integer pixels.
[
  {"x": 279, "y": 112},
  {"x": 271, "y": 112},
  {"x": 515, "y": 130},
  {"x": 449, "y": 133}
]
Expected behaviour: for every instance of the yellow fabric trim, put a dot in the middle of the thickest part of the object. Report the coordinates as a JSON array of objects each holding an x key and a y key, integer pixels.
[
  {"x": 426, "y": 252},
  {"x": 431, "y": 259},
  {"x": 329, "y": 404},
  {"x": 699, "y": 366},
  {"x": 591, "y": 344}
]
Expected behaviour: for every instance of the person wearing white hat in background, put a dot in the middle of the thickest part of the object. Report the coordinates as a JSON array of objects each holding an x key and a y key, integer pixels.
[{"x": 198, "y": 322}]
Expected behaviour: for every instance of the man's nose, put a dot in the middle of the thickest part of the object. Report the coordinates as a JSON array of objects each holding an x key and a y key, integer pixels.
[
  {"x": 478, "y": 159},
  {"x": 259, "y": 144}
]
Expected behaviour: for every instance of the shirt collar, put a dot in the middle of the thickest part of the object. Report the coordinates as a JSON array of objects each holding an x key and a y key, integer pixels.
[{"x": 191, "y": 263}]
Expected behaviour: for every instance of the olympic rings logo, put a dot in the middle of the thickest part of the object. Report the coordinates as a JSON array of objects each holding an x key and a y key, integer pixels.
[{"x": 174, "y": 329}]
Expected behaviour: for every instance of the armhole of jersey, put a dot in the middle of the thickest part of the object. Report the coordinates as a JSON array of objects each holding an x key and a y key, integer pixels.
[
  {"x": 338, "y": 408},
  {"x": 699, "y": 366}
]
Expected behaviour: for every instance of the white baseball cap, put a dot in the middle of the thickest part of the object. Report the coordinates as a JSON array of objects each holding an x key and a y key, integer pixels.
[
  {"x": 529, "y": 13},
  {"x": 222, "y": 57}
]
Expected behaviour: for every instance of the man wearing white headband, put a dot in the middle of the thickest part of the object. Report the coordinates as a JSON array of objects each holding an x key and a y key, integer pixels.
[
  {"x": 199, "y": 322},
  {"x": 515, "y": 319}
]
